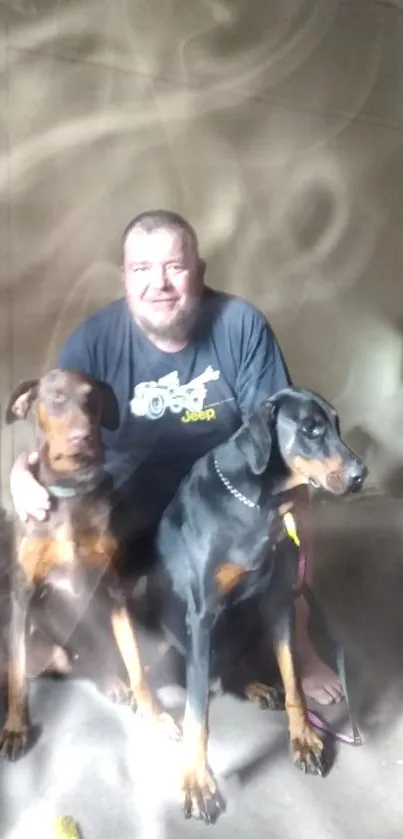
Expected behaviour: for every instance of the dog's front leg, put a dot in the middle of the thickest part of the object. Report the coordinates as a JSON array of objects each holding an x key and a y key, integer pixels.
[
  {"x": 306, "y": 745},
  {"x": 14, "y": 736},
  {"x": 201, "y": 796},
  {"x": 144, "y": 701}
]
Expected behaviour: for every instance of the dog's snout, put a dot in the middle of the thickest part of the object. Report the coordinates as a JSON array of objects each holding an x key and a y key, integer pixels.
[
  {"x": 79, "y": 436},
  {"x": 76, "y": 435}
]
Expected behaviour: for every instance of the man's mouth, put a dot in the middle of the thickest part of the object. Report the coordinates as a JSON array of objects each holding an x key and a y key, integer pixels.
[{"x": 163, "y": 301}]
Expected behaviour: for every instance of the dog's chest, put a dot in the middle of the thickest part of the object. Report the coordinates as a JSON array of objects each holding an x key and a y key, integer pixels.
[
  {"x": 247, "y": 564},
  {"x": 75, "y": 536}
]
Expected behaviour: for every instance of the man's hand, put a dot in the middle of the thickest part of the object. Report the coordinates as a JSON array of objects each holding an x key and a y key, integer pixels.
[{"x": 30, "y": 498}]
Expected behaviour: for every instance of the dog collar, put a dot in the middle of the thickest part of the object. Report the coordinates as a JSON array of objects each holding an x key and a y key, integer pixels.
[
  {"x": 235, "y": 492},
  {"x": 62, "y": 492},
  {"x": 288, "y": 518}
]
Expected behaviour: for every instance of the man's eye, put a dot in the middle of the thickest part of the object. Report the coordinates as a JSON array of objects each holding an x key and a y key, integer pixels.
[
  {"x": 58, "y": 398},
  {"x": 136, "y": 269}
]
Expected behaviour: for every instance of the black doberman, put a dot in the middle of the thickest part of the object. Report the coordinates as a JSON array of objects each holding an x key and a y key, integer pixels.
[{"x": 222, "y": 542}]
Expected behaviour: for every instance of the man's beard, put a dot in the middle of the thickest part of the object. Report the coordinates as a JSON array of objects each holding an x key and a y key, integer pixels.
[{"x": 180, "y": 327}]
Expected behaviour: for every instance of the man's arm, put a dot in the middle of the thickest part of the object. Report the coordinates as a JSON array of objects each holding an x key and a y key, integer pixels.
[{"x": 262, "y": 370}]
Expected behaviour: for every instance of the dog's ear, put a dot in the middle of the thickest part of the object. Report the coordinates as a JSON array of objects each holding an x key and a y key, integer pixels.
[
  {"x": 21, "y": 400},
  {"x": 256, "y": 438},
  {"x": 110, "y": 416}
]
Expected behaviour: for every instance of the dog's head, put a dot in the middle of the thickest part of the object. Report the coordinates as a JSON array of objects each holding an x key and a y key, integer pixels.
[
  {"x": 69, "y": 409},
  {"x": 304, "y": 430}
]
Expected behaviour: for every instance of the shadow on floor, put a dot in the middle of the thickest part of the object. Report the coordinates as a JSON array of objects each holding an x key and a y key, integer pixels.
[{"x": 359, "y": 583}]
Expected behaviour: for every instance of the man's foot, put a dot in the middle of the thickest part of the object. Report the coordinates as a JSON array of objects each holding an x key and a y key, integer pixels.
[{"x": 318, "y": 681}]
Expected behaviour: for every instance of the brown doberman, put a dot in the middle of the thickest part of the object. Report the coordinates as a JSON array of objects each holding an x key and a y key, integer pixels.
[{"x": 74, "y": 550}]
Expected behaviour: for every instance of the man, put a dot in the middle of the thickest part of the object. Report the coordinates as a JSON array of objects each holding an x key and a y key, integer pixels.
[{"x": 188, "y": 365}]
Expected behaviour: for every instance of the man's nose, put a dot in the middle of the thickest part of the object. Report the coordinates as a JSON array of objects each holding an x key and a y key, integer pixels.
[{"x": 158, "y": 276}]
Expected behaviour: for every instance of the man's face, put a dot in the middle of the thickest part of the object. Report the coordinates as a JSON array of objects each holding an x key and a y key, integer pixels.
[{"x": 163, "y": 279}]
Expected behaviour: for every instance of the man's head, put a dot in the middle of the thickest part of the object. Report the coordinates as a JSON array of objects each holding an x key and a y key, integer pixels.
[{"x": 163, "y": 274}]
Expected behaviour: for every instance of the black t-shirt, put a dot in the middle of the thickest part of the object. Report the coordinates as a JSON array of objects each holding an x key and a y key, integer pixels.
[{"x": 174, "y": 407}]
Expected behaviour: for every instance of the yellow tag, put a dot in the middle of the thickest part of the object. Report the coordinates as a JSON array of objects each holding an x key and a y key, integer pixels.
[
  {"x": 66, "y": 828},
  {"x": 291, "y": 528}
]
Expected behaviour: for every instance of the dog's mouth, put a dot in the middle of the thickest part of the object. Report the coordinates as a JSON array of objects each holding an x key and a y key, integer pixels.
[
  {"x": 77, "y": 457},
  {"x": 82, "y": 458},
  {"x": 335, "y": 483},
  {"x": 78, "y": 450},
  {"x": 64, "y": 468}
]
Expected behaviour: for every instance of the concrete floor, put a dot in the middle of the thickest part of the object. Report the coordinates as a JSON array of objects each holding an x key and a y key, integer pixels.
[{"x": 97, "y": 763}]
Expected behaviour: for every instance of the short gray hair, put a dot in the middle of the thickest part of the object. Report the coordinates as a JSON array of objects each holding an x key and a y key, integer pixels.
[{"x": 151, "y": 220}]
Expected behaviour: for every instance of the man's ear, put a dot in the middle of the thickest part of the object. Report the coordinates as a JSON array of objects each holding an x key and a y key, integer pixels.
[
  {"x": 256, "y": 438},
  {"x": 110, "y": 416},
  {"x": 21, "y": 400}
]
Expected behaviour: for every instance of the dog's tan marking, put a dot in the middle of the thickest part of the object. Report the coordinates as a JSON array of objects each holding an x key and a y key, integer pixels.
[
  {"x": 304, "y": 739},
  {"x": 316, "y": 469},
  {"x": 38, "y": 555},
  {"x": 228, "y": 575},
  {"x": 97, "y": 548},
  {"x": 197, "y": 778}
]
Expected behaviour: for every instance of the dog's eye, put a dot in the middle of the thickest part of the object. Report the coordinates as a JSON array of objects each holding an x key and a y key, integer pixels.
[
  {"x": 312, "y": 428},
  {"x": 58, "y": 398}
]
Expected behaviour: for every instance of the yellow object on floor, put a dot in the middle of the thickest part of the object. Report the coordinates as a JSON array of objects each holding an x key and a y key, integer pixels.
[{"x": 66, "y": 828}]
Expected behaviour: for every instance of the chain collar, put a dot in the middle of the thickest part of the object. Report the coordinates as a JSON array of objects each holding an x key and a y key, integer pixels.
[
  {"x": 235, "y": 492},
  {"x": 287, "y": 517}
]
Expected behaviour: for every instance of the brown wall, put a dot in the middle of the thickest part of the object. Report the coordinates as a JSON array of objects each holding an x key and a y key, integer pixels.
[{"x": 280, "y": 137}]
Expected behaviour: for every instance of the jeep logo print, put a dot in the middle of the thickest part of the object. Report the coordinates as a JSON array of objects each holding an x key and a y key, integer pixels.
[{"x": 153, "y": 399}]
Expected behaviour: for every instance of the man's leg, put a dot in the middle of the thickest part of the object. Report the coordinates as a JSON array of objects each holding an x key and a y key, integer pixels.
[{"x": 318, "y": 681}]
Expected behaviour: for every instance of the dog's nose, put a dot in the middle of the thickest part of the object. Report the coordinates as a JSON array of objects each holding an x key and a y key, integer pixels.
[
  {"x": 78, "y": 436},
  {"x": 357, "y": 482},
  {"x": 359, "y": 473}
]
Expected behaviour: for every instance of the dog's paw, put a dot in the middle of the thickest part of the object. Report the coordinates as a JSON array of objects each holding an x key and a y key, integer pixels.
[
  {"x": 14, "y": 741},
  {"x": 202, "y": 798},
  {"x": 116, "y": 690},
  {"x": 307, "y": 752},
  {"x": 267, "y": 698}
]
